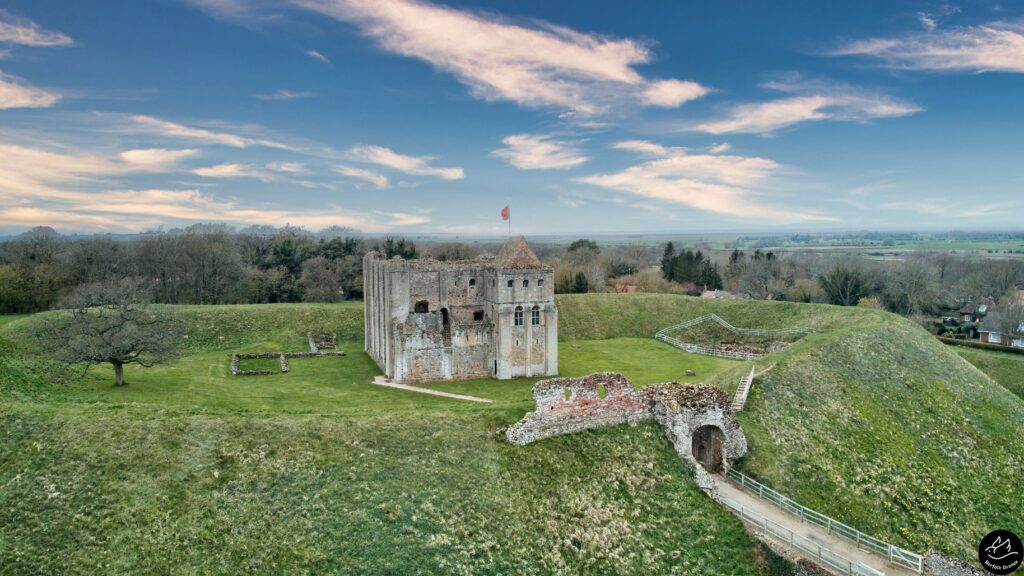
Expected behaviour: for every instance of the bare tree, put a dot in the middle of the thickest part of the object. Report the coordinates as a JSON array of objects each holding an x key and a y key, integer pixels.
[
  {"x": 111, "y": 323},
  {"x": 845, "y": 282}
]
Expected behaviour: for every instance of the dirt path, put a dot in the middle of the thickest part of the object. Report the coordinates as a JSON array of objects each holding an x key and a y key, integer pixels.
[
  {"x": 380, "y": 381},
  {"x": 816, "y": 534}
]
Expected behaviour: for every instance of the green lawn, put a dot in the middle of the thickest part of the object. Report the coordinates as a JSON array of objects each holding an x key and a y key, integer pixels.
[
  {"x": 189, "y": 470},
  {"x": 1006, "y": 368}
]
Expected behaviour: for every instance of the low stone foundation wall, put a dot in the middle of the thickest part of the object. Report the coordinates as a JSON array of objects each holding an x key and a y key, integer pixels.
[
  {"x": 281, "y": 356},
  {"x": 567, "y": 405}
]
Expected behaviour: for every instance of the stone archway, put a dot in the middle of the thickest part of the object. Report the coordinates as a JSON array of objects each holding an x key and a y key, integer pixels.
[{"x": 708, "y": 446}]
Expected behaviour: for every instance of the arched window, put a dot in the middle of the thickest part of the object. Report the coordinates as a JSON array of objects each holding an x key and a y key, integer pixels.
[
  {"x": 535, "y": 316},
  {"x": 472, "y": 281},
  {"x": 519, "y": 316},
  {"x": 509, "y": 283}
]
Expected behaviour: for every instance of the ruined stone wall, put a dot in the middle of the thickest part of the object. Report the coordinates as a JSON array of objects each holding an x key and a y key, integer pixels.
[{"x": 567, "y": 405}]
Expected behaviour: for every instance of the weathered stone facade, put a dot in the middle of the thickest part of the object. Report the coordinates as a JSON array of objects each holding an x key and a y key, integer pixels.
[
  {"x": 567, "y": 405},
  {"x": 698, "y": 419},
  {"x": 492, "y": 317}
]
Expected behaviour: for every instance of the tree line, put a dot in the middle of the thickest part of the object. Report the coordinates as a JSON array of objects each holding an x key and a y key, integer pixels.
[{"x": 201, "y": 264}]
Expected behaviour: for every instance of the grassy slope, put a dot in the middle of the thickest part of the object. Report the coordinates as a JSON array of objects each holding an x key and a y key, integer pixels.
[
  {"x": 869, "y": 419},
  {"x": 187, "y": 470},
  {"x": 1006, "y": 368}
]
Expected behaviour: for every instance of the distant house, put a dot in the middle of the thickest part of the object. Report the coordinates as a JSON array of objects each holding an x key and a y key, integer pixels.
[
  {"x": 991, "y": 335},
  {"x": 976, "y": 311}
]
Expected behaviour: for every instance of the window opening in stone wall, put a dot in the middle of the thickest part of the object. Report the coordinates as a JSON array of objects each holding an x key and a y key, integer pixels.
[
  {"x": 568, "y": 394},
  {"x": 540, "y": 282},
  {"x": 526, "y": 283},
  {"x": 472, "y": 281},
  {"x": 421, "y": 307},
  {"x": 535, "y": 316},
  {"x": 600, "y": 391},
  {"x": 518, "y": 317},
  {"x": 509, "y": 283},
  {"x": 478, "y": 315}
]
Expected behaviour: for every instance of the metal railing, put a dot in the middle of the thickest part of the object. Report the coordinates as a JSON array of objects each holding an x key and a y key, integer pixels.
[
  {"x": 740, "y": 400},
  {"x": 816, "y": 551},
  {"x": 707, "y": 350},
  {"x": 895, "y": 554}
]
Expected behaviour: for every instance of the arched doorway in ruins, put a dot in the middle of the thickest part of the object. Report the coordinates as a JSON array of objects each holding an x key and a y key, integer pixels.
[{"x": 708, "y": 445}]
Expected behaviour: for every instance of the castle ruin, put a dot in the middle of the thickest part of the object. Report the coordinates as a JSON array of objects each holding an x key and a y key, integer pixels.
[{"x": 491, "y": 317}]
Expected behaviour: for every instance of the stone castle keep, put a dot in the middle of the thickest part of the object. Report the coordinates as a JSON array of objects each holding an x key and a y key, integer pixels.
[{"x": 491, "y": 317}]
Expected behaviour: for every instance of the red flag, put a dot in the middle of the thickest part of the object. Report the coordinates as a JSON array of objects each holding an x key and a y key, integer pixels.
[{"x": 504, "y": 213}]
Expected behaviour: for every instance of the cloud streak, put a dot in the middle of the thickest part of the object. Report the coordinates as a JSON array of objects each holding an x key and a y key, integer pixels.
[
  {"x": 416, "y": 165},
  {"x": 721, "y": 184},
  {"x": 284, "y": 95},
  {"x": 992, "y": 47},
  {"x": 377, "y": 179},
  {"x": 151, "y": 125},
  {"x": 15, "y": 93},
  {"x": 541, "y": 65},
  {"x": 79, "y": 191},
  {"x": 810, "y": 102},
  {"x": 27, "y": 33},
  {"x": 539, "y": 152}
]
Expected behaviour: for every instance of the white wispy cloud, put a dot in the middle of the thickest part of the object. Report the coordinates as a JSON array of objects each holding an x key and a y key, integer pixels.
[
  {"x": 537, "y": 65},
  {"x": 156, "y": 159},
  {"x": 722, "y": 184},
  {"x": 992, "y": 47},
  {"x": 318, "y": 56},
  {"x": 417, "y": 165},
  {"x": 151, "y": 125},
  {"x": 539, "y": 152},
  {"x": 80, "y": 191},
  {"x": 287, "y": 167},
  {"x": 377, "y": 179},
  {"x": 231, "y": 170},
  {"x": 810, "y": 102},
  {"x": 672, "y": 93},
  {"x": 25, "y": 32},
  {"x": 15, "y": 93},
  {"x": 282, "y": 94}
]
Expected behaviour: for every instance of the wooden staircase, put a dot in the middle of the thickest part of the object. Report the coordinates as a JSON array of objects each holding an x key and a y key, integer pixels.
[{"x": 741, "y": 393}]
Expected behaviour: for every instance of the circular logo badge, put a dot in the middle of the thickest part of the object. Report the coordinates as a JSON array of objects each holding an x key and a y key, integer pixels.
[{"x": 1001, "y": 552}]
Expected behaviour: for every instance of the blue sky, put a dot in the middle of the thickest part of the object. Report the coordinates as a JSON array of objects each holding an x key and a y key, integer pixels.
[{"x": 588, "y": 117}]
